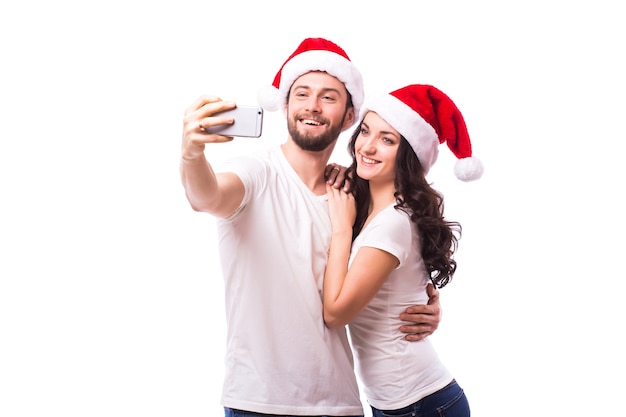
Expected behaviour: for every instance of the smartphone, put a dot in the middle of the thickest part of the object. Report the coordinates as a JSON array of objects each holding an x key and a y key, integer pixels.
[{"x": 248, "y": 122}]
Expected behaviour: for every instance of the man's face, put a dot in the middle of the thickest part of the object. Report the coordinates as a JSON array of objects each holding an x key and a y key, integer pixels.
[{"x": 316, "y": 111}]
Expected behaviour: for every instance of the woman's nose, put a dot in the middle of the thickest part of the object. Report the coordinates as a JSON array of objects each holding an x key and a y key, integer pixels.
[{"x": 369, "y": 145}]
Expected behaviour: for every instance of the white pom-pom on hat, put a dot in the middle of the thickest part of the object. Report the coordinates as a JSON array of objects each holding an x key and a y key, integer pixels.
[
  {"x": 468, "y": 169},
  {"x": 268, "y": 98}
]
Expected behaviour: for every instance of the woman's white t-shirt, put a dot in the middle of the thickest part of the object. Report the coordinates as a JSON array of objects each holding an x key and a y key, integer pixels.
[{"x": 395, "y": 372}]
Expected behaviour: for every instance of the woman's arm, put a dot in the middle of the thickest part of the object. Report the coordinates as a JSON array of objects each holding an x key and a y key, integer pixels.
[{"x": 347, "y": 292}]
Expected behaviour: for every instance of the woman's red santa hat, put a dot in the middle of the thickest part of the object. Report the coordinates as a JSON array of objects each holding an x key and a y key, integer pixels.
[
  {"x": 313, "y": 54},
  {"x": 426, "y": 117}
]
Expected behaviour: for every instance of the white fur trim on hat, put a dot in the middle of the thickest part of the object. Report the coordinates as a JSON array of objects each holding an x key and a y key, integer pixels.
[
  {"x": 334, "y": 64},
  {"x": 421, "y": 136}
]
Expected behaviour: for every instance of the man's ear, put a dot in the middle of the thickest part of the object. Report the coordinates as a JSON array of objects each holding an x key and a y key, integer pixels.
[{"x": 349, "y": 119}]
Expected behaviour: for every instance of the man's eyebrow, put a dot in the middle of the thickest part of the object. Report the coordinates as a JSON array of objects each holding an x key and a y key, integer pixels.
[
  {"x": 334, "y": 90},
  {"x": 325, "y": 90}
]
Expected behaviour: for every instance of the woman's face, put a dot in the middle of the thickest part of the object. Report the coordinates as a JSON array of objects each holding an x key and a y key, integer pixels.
[{"x": 375, "y": 148}]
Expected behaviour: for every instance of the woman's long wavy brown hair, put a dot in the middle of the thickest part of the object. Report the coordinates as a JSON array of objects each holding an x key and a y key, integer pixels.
[{"x": 424, "y": 205}]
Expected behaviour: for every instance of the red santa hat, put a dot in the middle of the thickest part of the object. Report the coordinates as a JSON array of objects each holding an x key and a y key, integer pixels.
[
  {"x": 426, "y": 117},
  {"x": 313, "y": 54}
]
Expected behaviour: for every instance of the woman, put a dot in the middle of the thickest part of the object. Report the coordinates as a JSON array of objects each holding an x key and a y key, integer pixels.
[{"x": 389, "y": 240}]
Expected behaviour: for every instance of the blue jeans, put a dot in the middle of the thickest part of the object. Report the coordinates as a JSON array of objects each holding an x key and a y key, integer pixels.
[
  {"x": 230, "y": 412},
  {"x": 450, "y": 401}
]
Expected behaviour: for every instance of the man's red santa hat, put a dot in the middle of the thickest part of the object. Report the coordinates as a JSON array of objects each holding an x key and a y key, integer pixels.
[{"x": 313, "y": 54}]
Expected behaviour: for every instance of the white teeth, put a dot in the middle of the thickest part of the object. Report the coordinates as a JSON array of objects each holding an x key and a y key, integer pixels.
[
  {"x": 311, "y": 122},
  {"x": 368, "y": 161}
]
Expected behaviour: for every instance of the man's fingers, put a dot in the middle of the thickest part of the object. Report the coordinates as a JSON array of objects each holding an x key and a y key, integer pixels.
[
  {"x": 331, "y": 173},
  {"x": 201, "y": 101},
  {"x": 417, "y": 332},
  {"x": 416, "y": 337},
  {"x": 433, "y": 294}
]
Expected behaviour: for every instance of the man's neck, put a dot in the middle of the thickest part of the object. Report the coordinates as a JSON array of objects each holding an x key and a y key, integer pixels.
[{"x": 308, "y": 165}]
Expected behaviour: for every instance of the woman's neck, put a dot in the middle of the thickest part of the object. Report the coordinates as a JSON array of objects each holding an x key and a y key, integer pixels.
[{"x": 382, "y": 195}]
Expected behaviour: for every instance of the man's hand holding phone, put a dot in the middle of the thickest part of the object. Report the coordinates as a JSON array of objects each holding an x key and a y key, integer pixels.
[
  {"x": 212, "y": 120},
  {"x": 247, "y": 122}
]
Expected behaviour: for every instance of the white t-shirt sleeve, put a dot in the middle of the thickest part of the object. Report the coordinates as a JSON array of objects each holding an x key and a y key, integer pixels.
[
  {"x": 390, "y": 231},
  {"x": 253, "y": 173}
]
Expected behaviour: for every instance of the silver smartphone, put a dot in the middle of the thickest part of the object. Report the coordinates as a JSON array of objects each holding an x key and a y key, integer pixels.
[{"x": 248, "y": 122}]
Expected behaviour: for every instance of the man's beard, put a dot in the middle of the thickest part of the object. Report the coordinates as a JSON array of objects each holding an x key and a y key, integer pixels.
[{"x": 309, "y": 142}]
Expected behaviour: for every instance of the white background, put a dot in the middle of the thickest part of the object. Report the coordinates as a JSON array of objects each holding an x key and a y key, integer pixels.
[{"x": 110, "y": 290}]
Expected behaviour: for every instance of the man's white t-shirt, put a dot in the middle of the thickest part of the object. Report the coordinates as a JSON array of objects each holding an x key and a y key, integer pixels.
[
  {"x": 280, "y": 357},
  {"x": 395, "y": 373}
]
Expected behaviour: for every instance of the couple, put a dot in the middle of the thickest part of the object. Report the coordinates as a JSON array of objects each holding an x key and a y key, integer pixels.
[{"x": 303, "y": 255}]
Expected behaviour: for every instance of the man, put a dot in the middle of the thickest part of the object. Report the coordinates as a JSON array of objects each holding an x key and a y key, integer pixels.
[{"x": 274, "y": 234}]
